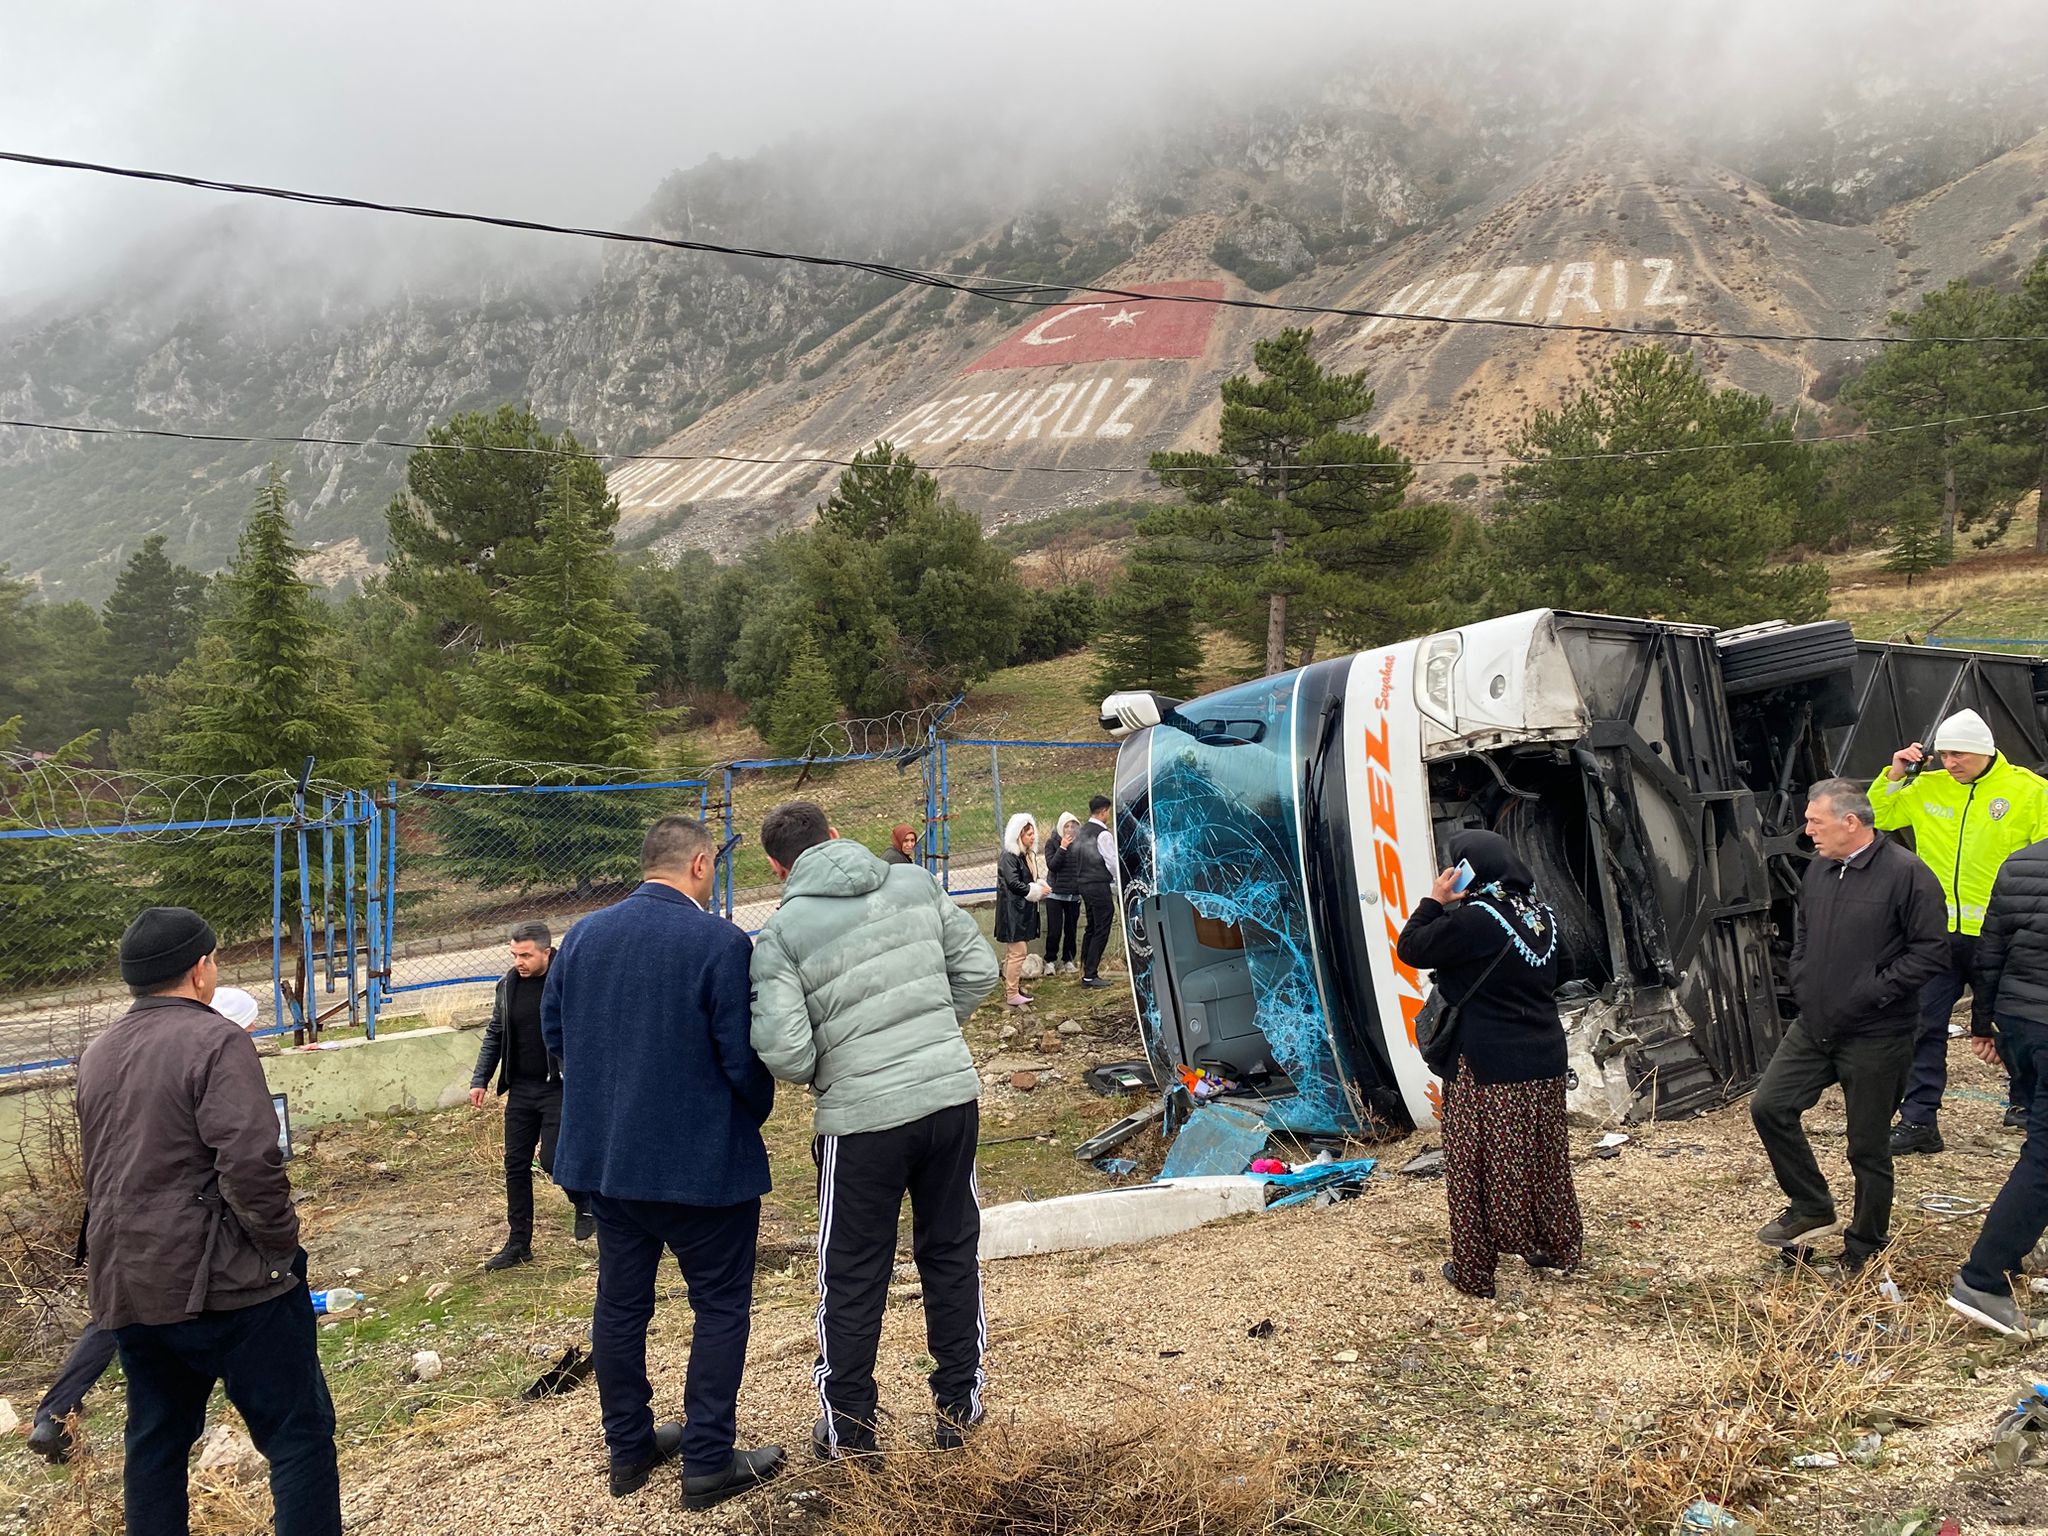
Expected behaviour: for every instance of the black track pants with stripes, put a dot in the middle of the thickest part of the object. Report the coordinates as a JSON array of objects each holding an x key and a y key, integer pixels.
[{"x": 862, "y": 1180}]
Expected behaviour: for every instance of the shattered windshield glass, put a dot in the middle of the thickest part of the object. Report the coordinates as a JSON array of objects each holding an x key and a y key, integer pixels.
[{"x": 1225, "y": 824}]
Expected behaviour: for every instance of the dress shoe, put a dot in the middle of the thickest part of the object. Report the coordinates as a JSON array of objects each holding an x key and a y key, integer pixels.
[
  {"x": 509, "y": 1255},
  {"x": 629, "y": 1477},
  {"x": 749, "y": 1470},
  {"x": 586, "y": 1227}
]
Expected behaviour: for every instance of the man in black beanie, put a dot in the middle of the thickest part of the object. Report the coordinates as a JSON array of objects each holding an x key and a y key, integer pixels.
[{"x": 192, "y": 1246}]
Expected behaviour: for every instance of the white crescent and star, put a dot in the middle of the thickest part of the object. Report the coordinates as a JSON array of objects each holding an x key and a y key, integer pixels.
[{"x": 1037, "y": 337}]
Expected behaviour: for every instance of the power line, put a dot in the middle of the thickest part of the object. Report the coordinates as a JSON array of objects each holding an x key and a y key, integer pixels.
[
  {"x": 1002, "y": 291},
  {"x": 823, "y": 462}
]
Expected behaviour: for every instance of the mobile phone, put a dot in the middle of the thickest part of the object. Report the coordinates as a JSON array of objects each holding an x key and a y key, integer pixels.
[{"x": 1461, "y": 875}]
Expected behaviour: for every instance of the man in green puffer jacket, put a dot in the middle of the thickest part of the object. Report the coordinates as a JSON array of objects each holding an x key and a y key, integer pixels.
[
  {"x": 861, "y": 981},
  {"x": 1967, "y": 816}
]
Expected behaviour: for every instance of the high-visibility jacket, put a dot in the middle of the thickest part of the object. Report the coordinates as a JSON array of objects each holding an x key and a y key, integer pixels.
[{"x": 1964, "y": 832}]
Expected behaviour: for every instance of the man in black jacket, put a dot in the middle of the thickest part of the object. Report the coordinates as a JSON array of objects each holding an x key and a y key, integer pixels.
[
  {"x": 531, "y": 1081},
  {"x": 1872, "y": 929},
  {"x": 1094, "y": 856},
  {"x": 2011, "y": 1009}
]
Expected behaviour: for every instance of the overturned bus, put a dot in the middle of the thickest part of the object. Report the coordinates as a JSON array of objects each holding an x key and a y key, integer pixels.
[{"x": 1273, "y": 837}]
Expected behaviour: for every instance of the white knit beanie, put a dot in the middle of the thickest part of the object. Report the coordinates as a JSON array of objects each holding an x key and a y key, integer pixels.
[{"x": 1965, "y": 731}]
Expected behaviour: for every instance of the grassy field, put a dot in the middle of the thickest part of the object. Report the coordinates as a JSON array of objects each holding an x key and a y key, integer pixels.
[{"x": 1998, "y": 592}]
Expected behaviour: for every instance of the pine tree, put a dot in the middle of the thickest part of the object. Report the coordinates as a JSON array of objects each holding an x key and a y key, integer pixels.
[
  {"x": 152, "y": 619},
  {"x": 63, "y": 901},
  {"x": 1684, "y": 535},
  {"x": 880, "y": 489},
  {"x": 1296, "y": 525},
  {"x": 1146, "y": 635},
  {"x": 1914, "y": 543},
  {"x": 805, "y": 703},
  {"x": 265, "y": 690},
  {"x": 565, "y": 691}
]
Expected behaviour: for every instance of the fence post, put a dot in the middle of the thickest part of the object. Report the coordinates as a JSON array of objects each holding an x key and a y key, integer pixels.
[
  {"x": 729, "y": 885},
  {"x": 327, "y": 885},
  {"x": 348, "y": 905},
  {"x": 945, "y": 816},
  {"x": 277, "y": 932},
  {"x": 308, "y": 1004},
  {"x": 995, "y": 777}
]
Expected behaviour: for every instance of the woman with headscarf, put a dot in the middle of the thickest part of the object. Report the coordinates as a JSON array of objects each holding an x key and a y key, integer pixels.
[
  {"x": 1507, "y": 1161},
  {"x": 902, "y": 844},
  {"x": 1063, "y": 895},
  {"x": 1018, "y": 893}
]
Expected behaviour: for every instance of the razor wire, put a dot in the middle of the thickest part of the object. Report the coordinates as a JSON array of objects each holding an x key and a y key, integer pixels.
[{"x": 44, "y": 796}]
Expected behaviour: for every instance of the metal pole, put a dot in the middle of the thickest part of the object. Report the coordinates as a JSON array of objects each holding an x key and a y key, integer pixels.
[
  {"x": 945, "y": 817},
  {"x": 727, "y": 876},
  {"x": 373, "y": 914},
  {"x": 348, "y": 904},
  {"x": 277, "y": 928},
  {"x": 995, "y": 777},
  {"x": 390, "y": 874},
  {"x": 306, "y": 999},
  {"x": 327, "y": 882}
]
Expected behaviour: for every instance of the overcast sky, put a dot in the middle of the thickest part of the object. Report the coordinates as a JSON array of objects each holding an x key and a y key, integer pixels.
[{"x": 574, "y": 112}]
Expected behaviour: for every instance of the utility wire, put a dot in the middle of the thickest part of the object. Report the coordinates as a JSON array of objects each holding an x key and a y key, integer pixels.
[
  {"x": 821, "y": 461},
  {"x": 1000, "y": 291}
]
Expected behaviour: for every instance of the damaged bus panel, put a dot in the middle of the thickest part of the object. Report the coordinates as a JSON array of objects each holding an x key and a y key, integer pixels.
[{"x": 1274, "y": 837}]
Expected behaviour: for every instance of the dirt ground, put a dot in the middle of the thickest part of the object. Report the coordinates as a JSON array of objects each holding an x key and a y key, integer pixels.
[{"x": 1682, "y": 1350}]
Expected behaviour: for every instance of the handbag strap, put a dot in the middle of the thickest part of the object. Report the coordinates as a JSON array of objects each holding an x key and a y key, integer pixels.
[{"x": 1473, "y": 990}]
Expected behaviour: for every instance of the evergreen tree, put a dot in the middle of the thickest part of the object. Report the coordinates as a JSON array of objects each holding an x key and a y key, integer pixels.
[
  {"x": 876, "y": 493},
  {"x": 1972, "y": 472},
  {"x": 266, "y": 689},
  {"x": 951, "y": 596},
  {"x": 805, "y": 703},
  {"x": 77, "y": 693},
  {"x": 64, "y": 900},
  {"x": 1914, "y": 545},
  {"x": 1686, "y": 535},
  {"x": 1146, "y": 635},
  {"x": 21, "y": 643},
  {"x": 565, "y": 691},
  {"x": 152, "y": 618}
]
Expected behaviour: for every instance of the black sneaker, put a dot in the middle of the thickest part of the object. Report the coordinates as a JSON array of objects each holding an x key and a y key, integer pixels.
[
  {"x": 1792, "y": 1230},
  {"x": 2015, "y": 1117},
  {"x": 1095, "y": 981},
  {"x": 851, "y": 1447},
  {"x": 629, "y": 1477},
  {"x": 1908, "y": 1138},
  {"x": 509, "y": 1255},
  {"x": 749, "y": 1470},
  {"x": 586, "y": 1227},
  {"x": 950, "y": 1430},
  {"x": 51, "y": 1441}
]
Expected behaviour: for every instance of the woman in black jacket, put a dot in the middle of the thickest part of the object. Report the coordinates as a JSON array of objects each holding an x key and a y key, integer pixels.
[
  {"x": 1063, "y": 896},
  {"x": 1507, "y": 1160},
  {"x": 1018, "y": 893}
]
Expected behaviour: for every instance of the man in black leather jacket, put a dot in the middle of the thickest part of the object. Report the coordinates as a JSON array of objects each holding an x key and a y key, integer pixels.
[
  {"x": 2011, "y": 1010},
  {"x": 530, "y": 1079}
]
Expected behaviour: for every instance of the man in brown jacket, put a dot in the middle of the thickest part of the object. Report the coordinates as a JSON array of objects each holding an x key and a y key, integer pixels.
[{"x": 192, "y": 1245}]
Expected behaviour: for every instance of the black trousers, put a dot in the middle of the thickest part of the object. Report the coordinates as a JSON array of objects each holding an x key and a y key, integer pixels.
[
  {"x": 862, "y": 1180},
  {"x": 1938, "y": 999},
  {"x": 714, "y": 1245},
  {"x": 533, "y": 1118},
  {"x": 264, "y": 1356},
  {"x": 1872, "y": 1070},
  {"x": 1062, "y": 923},
  {"x": 2019, "y": 1215},
  {"x": 1100, "y": 902},
  {"x": 87, "y": 1363}
]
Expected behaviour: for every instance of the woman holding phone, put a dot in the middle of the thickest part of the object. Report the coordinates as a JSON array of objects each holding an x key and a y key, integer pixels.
[
  {"x": 1492, "y": 944},
  {"x": 1019, "y": 891}
]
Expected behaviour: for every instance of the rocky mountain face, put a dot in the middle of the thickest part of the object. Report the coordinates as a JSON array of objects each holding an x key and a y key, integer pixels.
[{"x": 1391, "y": 190}]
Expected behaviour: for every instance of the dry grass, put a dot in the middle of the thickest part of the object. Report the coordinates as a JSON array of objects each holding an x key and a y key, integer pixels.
[
  {"x": 1159, "y": 1469},
  {"x": 42, "y": 1207}
]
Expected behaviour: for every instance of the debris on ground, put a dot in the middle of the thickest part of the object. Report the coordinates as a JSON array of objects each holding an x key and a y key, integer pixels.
[
  {"x": 1426, "y": 1164},
  {"x": 2020, "y": 1437},
  {"x": 1114, "y": 1136},
  {"x": 1703, "y": 1517},
  {"x": 426, "y": 1366},
  {"x": 1263, "y": 1329},
  {"x": 1117, "y": 1167},
  {"x": 228, "y": 1453},
  {"x": 1818, "y": 1461},
  {"x": 1134, "y": 1213},
  {"x": 1119, "y": 1077},
  {"x": 1611, "y": 1144},
  {"x": 1324, "y": 1183},
  {"x": 1217, "y": 1139},
  {"x": 9, "y": 1419},
  {"x": 563, "y": 1376}
]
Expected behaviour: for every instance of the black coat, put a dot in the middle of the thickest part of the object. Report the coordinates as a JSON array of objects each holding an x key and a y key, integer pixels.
[
  {"x": 1508, "y": 1028},
  {"x": 496, "y": 1053},
  {"x": 2012, "y": 954},
  {"x": 1871, "y": 933},
  {"x": 1016, "y": 913},
  {"x": 1063, "y": 866}
]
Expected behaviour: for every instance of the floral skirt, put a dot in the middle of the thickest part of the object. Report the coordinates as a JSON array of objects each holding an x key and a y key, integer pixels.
[{"x": 1508, "y": 1177}]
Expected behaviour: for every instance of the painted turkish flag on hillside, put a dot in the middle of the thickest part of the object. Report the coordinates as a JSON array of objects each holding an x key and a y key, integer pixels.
[{"x": 1099, "y": 331}]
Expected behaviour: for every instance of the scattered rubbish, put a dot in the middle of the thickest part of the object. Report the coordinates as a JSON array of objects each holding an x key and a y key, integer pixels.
[
  {"x": 338, "y": 1299},
  {"x": 1117, "y": 1167},
  {"x": 1345, "y": 1357},
  {"x": 1865, "y": 1451},
  {"x": 1269, "y": 1165},
  {"x": 1426, "y": 1164},
  {"x": 1611, "y": 1144},
  {"x": 1953, "y": 1205},
  {"x": 1260, "y": 1330},
  {"x": 228, "y": 1453},
  {"x": 1324, "y": 1183},
  {"x": 1170, "y": 1354},
  {"x": 1703, "y": 1517},
  {"x": 438, "y": 1289},
  {"x": 1888, "y": 1288},
  {"x": 1131, "y": 1213},
  {"x": 426, "y": 1366},
  {"x": 1817, "y": 1461},
  {"x": 1117, "y": 1077},
  {"x": 2020, "y": 1437},
  {"x": 9, "y": 1419},
  {"x": 1109, "y": 1139},
  {"x": 564, "y": 1375},
  {"x": 1217, "y": 1139}
]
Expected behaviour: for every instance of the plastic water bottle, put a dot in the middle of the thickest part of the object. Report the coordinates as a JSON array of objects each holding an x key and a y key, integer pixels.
[
  {"x": 340, "y": 1299},
  {"x": 1703, "y": 1516}
]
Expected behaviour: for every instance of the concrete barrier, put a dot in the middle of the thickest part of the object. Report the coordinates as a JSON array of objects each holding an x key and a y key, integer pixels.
[
  {"x": 1106, "y": 1217},
  {"x": 342, "y": 1080}
]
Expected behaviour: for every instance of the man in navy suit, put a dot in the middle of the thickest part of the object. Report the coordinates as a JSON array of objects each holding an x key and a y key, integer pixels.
[{"x": 647, "y": 1006}]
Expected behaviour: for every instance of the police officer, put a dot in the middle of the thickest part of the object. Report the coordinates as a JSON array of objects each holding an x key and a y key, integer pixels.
[{"x": 1967, "y": 816}]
